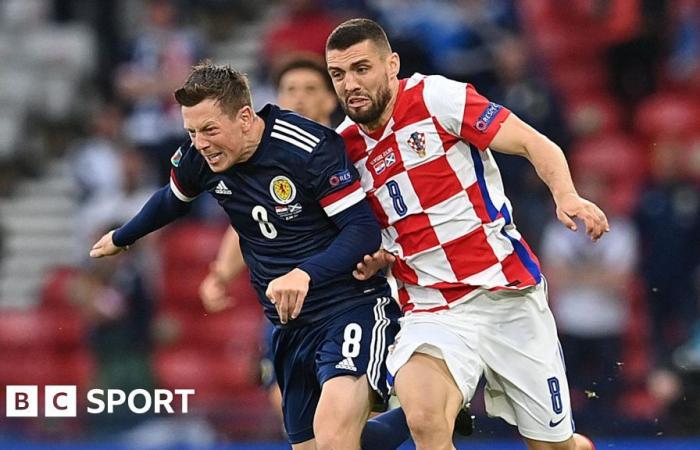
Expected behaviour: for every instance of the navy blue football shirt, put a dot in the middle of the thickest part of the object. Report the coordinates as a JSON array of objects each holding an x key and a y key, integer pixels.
[{"x": 281, "y": 201}]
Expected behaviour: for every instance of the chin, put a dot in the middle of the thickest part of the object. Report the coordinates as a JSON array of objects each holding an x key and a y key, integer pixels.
[{"x": 218, "y": 168}]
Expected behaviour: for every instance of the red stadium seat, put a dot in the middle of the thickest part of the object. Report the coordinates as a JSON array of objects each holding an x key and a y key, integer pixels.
[
  {"x": 617, "y": 155},
  {"x": 204, "y": 369},
  {"x": 668, "y": 114},
  {"x": 55, "y": 287},
  {"x": 190, "y": 244},
  {"x": 41, "y": 329},
  {"x": 231, "y": 329},
  {"x": 42, "y": 368},
  {"x": 578, "y": 78},
  {"x": 180, "y": 287},
  {"x": 563, "y": 43},
  {"x": 621, "y": 160},
  {"x": 589, "y": 115}
]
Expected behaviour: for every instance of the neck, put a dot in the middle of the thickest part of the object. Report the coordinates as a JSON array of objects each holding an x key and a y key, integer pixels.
[
  {"x": 252, "y": 139},
  {"x": 388, "y": 110}
]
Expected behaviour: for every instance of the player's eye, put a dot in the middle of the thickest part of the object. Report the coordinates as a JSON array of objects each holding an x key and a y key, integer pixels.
[{"x": 362, "y": 69}]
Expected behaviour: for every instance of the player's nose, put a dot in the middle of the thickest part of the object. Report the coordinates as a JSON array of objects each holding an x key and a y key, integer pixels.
[
  {"x": 350, "y": 82},
  {"x": 200, "y": 142}
]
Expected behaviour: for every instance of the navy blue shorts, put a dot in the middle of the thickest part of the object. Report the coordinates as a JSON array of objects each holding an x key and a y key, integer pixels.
[{"x": 353, "y": 342}]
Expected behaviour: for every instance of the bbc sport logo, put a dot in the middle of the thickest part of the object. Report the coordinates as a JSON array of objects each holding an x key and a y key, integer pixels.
[{"x": 62, "y": 401}]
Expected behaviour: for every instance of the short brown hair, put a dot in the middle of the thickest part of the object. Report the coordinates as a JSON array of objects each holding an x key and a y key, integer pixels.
[
  {"x": 222, "y": 83},
  {"x": 307, "y": 62},
  {"x": 354, "y": 31}
]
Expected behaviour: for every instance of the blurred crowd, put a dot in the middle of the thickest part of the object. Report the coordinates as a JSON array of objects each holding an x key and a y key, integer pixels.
[{"x": 616, "y": 83}]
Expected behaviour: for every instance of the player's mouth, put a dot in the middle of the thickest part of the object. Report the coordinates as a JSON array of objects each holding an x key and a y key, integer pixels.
[
  {"x": 358, "y": 102},
  {"x": 214, "y": 158}
]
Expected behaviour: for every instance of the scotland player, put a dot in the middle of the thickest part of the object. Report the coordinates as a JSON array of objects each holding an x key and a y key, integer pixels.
[{"x": 295, "y": 200}]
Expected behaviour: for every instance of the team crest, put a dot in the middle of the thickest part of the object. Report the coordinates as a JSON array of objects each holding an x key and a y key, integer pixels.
[
  {"x": 177, "y": 156},
  {"x": 282, "y": 190},
  {"x": 417, "y": 143}
]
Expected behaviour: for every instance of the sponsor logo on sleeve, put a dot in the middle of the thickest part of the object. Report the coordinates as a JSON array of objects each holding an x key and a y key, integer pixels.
[
  {"x": 177, "y": 156},
  {"x": 340, "y": 178},
  {"x": 484, "y": 121}
]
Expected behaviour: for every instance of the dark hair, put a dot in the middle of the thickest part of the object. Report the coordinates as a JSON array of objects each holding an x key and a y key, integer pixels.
[
  {"x": 304, "y": 62},
  {"x": 354, "y": 31},
  {"x": 222, "y": 83}
]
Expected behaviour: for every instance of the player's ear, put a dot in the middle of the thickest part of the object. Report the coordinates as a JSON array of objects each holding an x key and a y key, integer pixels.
[
  {"x": 246, "y": 116},
  {"x": 394, "y": 63}
]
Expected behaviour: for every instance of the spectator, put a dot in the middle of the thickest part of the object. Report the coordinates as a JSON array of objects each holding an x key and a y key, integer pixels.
[
  {"x": 160, "y": 58},
  {"x": 668, "y": 218},
  {"x": 116, "y": 299},
  {"x": 134, "y": 183},
  {"x": 531, "y": 99},
  {"x": 94, "y": 158},
  {"x": 589, "y": 286}
]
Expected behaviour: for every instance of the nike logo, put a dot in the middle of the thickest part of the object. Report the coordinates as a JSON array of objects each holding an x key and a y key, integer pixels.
[{"x": 553, "y": 424}]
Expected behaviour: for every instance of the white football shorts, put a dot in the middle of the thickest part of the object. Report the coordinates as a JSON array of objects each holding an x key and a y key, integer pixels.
[{"x": 508, "y": 336}]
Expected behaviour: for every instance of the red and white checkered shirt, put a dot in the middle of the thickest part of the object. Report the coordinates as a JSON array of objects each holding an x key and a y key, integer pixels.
[{"x": 437, "y": 192}]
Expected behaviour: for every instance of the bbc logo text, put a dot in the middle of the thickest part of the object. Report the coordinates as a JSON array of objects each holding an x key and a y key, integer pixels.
[{"x": 62, "y": 401}]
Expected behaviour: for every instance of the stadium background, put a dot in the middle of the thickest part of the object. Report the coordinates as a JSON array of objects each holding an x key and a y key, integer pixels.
[{"x": 88, "y": 125}]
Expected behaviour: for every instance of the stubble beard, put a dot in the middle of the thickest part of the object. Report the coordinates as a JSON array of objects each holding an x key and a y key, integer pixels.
[{"x": 371, "y": 115}]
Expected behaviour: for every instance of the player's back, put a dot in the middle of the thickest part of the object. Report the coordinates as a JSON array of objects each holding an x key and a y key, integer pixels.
[{"x": 280, "y": 202}]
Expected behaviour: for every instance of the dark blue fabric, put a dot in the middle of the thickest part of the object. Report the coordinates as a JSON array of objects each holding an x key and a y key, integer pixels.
[
  {"x": 281, "y": 230},
  {"x": 359, "y": 235},
  {"x": 161, "y": 209},
  {"x": 386, "y": 431},
  {"x": 308, "y": 356}
]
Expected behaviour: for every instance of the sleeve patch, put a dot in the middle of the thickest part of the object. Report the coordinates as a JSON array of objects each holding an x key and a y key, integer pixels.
[
  {"x": 177, "y": 156},
  {"x": 483, "y": 123},
  {"x": 340, "y": 178}
]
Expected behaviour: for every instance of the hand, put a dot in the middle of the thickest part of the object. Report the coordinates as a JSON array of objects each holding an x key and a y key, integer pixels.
[
  {"x": 213, "y": 291},
  {"x": 371, "y": 264},
  {"x": 573, "y": 206},
  {"x": 105, "y": 247},
  {"x": 288, "y": 292}
]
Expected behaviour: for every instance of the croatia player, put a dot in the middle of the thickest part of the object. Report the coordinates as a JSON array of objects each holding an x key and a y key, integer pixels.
[
  {"x": 474, "y": 299},
  {"x": 297, "y": 205}
]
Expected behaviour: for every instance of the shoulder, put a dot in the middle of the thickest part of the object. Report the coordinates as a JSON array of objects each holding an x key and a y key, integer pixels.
[
  {"x": 438, "y": 84},
  {"x": 186, "y": 155},
  {"x": 303, "y": 134},
  {"x": 355, "y": 144}
]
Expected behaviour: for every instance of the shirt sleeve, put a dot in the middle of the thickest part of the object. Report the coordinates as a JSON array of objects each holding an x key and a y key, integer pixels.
[
  {"x": 462, "y": 111},
  {"x": 334, "y": 181},
  {"x": 185, "y": 173}
]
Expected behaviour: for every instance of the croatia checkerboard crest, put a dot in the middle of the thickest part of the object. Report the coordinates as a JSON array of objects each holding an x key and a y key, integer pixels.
[{"x": 417, "y": 143}]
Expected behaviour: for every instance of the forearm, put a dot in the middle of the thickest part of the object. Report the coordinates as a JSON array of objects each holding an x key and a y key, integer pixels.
[
  {"x": 359, "y": 235},
  {"x": 161, "y": 209},
  {"x": 551, "y": 166},
  {"x": 518, "y": 138},
  {"x": 229, "y": 261}
]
